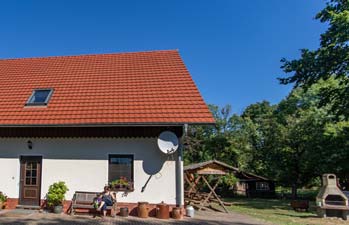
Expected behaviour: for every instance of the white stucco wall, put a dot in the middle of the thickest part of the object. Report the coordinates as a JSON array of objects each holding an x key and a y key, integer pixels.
[{"x": 83, "y": 165}]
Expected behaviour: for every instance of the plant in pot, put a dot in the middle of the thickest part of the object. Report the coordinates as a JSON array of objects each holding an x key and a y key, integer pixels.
[
  {"x": 3, "y": 199},
  {"x": 115, "y": 184},
  {"x": 121, "y": 183},
  {"x": 55, "y": 196}
]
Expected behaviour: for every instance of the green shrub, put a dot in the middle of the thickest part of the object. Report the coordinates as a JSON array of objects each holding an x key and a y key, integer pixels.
[
  {"x": 229, "y": 179},
  {"x": 56, "y": 193},
  {"x": 3, "y": 197}
]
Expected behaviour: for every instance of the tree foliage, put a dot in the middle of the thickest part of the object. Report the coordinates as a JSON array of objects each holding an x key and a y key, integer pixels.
[
  {"x": 211, "y": 142},
  {"x": 331, "y": 59},
  {"x": 306, "y": 134},
  {"x": 293, "y": 142}
]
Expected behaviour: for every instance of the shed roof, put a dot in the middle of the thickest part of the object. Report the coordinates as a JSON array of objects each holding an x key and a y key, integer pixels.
[
  {"x": 240, "y": 174},
  {"x": 196, "y": 166},
  {"x": 112, "y": 89}
]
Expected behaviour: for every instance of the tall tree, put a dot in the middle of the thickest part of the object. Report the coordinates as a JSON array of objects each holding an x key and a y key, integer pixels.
[
  {"x": 295, "y": 141},
  {"x": 307, "y": 146},
  {"x": 211, "y": 142},
  {"x": 292, "y": 142},
  {"x": 262, "y": 131},
  {"x": 331, "y": 59}
]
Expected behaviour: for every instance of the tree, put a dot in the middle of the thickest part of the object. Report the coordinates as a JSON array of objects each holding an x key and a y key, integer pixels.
[
  {"x": 307, "y": 146},
  {"x": 331, "y": 59},
  {"x": 328, "y": 63},
  {"x": 293, "y": 142},
  {"x": 211, "y": 142},
  {"x": 299, "y": 148},
  {"x": 261, "y": 130}
]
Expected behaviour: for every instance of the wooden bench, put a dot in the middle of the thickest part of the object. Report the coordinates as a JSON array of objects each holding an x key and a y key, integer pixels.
[{"x": 84, "y": 200}]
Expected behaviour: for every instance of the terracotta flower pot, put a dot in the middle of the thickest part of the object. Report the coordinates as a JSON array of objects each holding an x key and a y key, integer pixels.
[
  {"x": 176, "y": 213},
  {"x": 143, "y": 209}
]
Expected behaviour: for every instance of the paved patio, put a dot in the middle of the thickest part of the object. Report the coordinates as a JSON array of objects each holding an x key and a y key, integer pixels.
[{"x": 201, "y": 218}]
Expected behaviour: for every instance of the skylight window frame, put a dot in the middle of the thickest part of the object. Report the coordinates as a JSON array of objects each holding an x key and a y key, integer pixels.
[{"x": 28, "y": 103}]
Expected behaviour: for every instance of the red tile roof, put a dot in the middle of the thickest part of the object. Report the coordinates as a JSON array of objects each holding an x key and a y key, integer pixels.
[{"x": 126, "y": 88}]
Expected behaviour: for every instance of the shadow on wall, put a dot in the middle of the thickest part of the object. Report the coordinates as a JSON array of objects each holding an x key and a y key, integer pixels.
[{"x": 154, "y": 162}]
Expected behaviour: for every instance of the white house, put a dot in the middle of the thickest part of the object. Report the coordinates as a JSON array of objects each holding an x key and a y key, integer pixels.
[{"x": 88, "y": 120}]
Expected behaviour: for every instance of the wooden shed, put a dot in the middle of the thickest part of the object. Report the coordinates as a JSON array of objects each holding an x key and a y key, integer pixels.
[{"x": 249, "y": 184}]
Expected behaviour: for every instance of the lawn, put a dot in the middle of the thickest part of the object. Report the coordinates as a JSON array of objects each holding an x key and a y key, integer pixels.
[{"x": 279, "y": 212}]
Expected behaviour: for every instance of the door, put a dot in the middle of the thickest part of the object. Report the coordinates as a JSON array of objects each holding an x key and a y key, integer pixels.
[{"x": 30, "y": 180}]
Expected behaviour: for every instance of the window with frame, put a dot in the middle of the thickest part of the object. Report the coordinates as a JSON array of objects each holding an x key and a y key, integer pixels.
[
  {"x": 262, "y": 186},
  {"x": 40, "y": 97},
  {"x": 120, "y": 173}
]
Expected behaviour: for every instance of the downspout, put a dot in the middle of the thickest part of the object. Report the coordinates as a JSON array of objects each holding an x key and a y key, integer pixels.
[{"x": 179, "y": 170}]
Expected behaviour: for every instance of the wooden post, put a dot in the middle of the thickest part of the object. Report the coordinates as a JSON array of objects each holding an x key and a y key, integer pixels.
[
  {"x": 214, "y": 193},
  {"x": 209, "y": 194},
  {"x": 193, "y": 185}
]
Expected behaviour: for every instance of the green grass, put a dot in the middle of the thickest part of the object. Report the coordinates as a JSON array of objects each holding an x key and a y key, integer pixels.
[
  {"x": 309, "y": 194},
  {"x": 278, "y": 212}
]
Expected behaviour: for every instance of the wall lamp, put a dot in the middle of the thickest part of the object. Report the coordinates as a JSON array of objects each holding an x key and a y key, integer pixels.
[{"x": 30, "y": 144}]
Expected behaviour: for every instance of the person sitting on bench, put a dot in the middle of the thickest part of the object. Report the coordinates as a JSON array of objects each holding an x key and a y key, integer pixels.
[{"x": 108, "y": 199}]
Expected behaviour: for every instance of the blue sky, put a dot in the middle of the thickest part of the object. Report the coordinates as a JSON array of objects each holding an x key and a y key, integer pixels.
[{"x": 231, "y": 47}]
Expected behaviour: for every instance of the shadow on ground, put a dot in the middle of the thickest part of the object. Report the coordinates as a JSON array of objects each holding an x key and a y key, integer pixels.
[
  {"x": 50, "y": 219},
  {"x": 264, "y": 204},
  {"x": 299, "y": 215}
]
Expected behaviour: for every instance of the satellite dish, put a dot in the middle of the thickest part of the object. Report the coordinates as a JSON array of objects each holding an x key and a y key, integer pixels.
[{"x": 168, "y": 142}]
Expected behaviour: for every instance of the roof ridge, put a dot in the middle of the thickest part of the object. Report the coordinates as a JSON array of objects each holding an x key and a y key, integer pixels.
[{"x": 92, "y": 54}]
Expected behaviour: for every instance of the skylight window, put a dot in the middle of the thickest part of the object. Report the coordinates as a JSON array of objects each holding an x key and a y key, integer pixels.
[{"x": 40, "y": 97}]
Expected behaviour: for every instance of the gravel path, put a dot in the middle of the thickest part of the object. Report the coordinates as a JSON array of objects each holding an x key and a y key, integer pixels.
[{"x": 201, "y": 218}]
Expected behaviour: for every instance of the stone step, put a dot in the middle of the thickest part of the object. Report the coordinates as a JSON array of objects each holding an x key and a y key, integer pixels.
[{"x": 30, "y": 207}]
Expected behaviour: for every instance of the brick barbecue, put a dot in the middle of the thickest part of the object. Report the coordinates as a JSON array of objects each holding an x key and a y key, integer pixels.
[{"x": 331, "y": 201}]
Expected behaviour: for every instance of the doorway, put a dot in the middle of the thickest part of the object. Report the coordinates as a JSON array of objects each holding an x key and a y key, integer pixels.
[{"x": 30, "y": 180}]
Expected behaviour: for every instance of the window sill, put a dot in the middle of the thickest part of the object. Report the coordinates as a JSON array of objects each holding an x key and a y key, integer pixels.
[{"x": 122, "y": 189}]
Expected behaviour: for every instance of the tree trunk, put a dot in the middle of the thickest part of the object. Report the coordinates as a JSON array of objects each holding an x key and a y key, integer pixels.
[{"x": 294, "y": 191}]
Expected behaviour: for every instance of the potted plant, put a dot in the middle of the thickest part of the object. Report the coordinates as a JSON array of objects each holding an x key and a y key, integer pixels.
[
  {"x": 114, "y": 184},
  {"x": 3, "y": 199},
  {"x": 121, "y": 184},
  {"x": 55, "y": 196}
]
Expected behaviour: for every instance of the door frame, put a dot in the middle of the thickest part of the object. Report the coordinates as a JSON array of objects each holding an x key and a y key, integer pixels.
[{"x": 21, "y": 179}]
